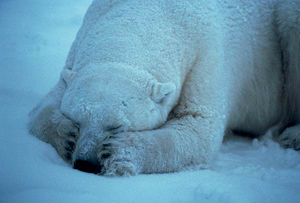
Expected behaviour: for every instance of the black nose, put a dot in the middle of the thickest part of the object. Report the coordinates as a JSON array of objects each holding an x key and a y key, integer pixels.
[{"x": 87, "y": 166}]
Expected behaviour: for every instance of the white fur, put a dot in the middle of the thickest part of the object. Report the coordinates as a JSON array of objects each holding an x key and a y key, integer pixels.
[{"x": 154, "y": 85}]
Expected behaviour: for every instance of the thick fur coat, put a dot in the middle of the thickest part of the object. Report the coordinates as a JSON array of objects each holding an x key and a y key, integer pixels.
[{"x": 153, "y": 86}]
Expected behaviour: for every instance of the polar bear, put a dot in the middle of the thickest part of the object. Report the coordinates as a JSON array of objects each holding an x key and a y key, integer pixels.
[{"x": 153, "y": 86}]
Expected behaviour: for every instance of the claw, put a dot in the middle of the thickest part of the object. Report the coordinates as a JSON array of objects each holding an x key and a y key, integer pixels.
[
  {"x": 107, "y": 145},
  {"x": 105, "y": 156},
  {"x": 71, "y": 144},
  {"x": 72, "y": 134},
  {"x": 68, "y": 156}
]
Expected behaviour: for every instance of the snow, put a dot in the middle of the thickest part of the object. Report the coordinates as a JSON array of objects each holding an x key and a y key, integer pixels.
[{"x": 35, "y": 39}]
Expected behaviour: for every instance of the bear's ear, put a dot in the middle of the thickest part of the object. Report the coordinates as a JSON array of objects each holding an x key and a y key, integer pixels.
[
  {"x": 67, "y": 75},
  {"x": 163, "y": 92}
]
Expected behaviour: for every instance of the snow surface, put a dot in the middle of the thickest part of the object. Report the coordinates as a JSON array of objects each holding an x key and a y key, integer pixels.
[{"x": 35, "y": 38}]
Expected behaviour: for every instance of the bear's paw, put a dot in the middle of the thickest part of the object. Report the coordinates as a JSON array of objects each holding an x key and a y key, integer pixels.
[
  {"x": 290, "y": 138},
  {"x": 65, "y": 142},
  {"x": 118, "y": 156}
]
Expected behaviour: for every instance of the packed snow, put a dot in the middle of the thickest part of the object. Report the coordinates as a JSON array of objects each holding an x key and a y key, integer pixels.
[{"x": 35, "y": 39}]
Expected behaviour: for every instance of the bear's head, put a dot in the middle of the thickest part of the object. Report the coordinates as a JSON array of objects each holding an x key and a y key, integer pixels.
[{"x": 110, "y": 100}]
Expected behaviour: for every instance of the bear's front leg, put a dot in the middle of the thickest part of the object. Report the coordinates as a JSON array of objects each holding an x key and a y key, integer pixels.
[
  {"x": 64, "y": 137},
  {"x": 54, "y": 128},
  {"x": 47, "y": 123},
  {"x": 190, "y": 141}
]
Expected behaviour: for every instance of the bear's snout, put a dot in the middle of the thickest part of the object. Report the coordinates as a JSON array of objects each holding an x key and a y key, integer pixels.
[{"x": 87, "y": 166}]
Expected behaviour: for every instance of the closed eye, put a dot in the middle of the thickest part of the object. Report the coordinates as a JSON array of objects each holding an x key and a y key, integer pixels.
[
  {"x": 114, "y": 129},
  {"x": 77, "y": 124}
]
